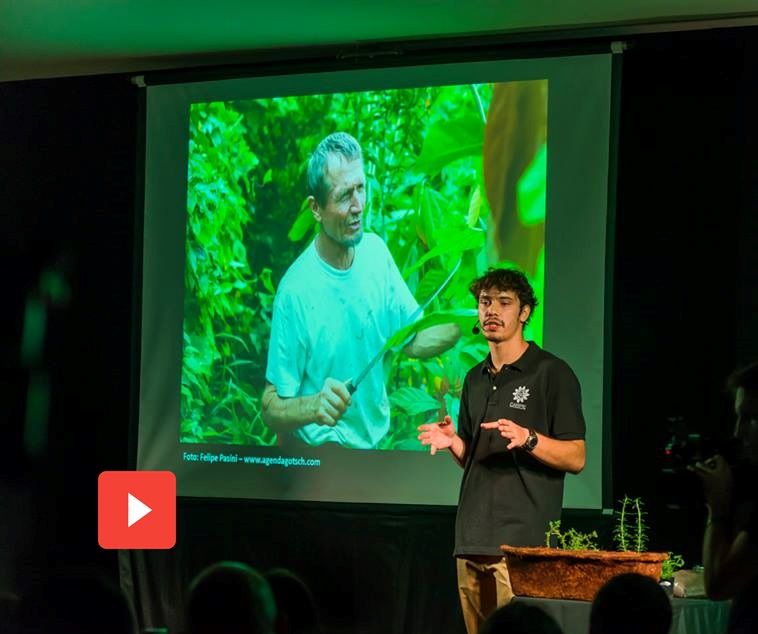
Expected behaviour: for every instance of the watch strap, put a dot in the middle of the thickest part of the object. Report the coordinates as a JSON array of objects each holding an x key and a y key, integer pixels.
[{"x": 531, "y": 441}]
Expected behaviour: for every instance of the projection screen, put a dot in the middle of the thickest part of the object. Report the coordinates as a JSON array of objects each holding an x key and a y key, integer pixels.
[{"x": 467, "y": 166}]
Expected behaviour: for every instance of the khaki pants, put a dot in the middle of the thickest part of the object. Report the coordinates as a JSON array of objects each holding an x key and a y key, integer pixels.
[{"x": 483, "y": 586}]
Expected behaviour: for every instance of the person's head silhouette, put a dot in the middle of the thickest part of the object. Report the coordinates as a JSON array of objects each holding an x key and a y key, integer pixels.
[
  {"x": 230, "y": 598},
  {"x": 520, "y": 618},
  {"x": 630, "y": 603},
  {"x": 81, "y": 601},
  {"x": 296, "y": 611}
]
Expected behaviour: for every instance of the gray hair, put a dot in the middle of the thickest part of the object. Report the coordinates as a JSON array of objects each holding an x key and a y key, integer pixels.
[{"x": 340, "y": 143}]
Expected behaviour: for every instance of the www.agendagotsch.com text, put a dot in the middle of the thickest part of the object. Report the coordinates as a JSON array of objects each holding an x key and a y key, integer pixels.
[{"x": 234, "y": 458}]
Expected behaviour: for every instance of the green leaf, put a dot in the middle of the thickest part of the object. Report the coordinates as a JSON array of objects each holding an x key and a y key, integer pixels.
[
  {"x": 431, "y": 209},
  {"x": 530, "y": 190},
  {"x": 303, "y": 223},
  {"x": 448, "y": 141},
  {"x": 452, "y": 405},
  {"x": 430, "y": 283},
  {"x": 228, "y": 335},
  {"x": 240, "y": 362},
  {"x": 265, "y": 278},
  {"x": 474, "y": 207},
  {"x": 466, "y": 240},
  {"x": 413, "y": 401},
  {"x": 460, "y": 316}
]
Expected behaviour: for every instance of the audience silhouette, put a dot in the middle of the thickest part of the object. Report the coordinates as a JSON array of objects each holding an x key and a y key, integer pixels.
[
  {"x": 229, "y": 597},
  {"x": 520, "y": 618},
  {"x": 80, "y": 602},
  {"x": 296, "y": 611},
  {"x": 630, "y": 603}
]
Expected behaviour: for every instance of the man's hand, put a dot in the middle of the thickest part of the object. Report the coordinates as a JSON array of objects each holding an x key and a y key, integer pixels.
[
  {"x": 437, "y": 435},
  {"x": 565, "y": 455},
  {"x": 716, "y": 476},
  {"x": 514, "y": 433},
  {"x": 331, "y": 402}
]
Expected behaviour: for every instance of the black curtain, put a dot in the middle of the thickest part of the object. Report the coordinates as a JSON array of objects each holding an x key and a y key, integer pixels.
[
  {"x": 371, "y": 569},
  {"x": 685, "y": 262},
  {"x": 67, "y": 189}
]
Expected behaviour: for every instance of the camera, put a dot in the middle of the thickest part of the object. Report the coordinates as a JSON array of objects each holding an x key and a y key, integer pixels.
[
  {"x": 679, "y": 485},
  {"x": 684, "y": 448}
]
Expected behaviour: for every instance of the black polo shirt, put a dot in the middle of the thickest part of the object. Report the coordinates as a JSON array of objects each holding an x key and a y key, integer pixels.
[{"x": 508, "y": 497}]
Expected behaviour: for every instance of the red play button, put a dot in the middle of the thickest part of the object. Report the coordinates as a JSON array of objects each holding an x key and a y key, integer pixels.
[{"x": 136, "y": 509}]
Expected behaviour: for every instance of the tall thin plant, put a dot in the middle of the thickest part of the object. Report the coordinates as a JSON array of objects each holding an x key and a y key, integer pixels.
[{"x": 630, "y": 531}]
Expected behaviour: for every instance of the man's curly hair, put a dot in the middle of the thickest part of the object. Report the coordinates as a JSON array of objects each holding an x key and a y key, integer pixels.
[{"x": 507, "y": 280}]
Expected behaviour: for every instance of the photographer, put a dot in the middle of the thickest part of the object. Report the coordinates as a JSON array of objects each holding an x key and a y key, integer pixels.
[{"x": 730, "y": 543}]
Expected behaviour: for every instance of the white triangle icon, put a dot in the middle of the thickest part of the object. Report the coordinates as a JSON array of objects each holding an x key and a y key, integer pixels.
[{"x": 137, "y": 509}]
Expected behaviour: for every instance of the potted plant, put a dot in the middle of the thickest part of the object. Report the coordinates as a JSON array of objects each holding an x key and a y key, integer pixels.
[{"x": 577, "y": 568}]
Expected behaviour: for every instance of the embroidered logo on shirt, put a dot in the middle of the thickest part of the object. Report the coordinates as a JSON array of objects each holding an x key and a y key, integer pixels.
[{"x": 520, "y": 394}]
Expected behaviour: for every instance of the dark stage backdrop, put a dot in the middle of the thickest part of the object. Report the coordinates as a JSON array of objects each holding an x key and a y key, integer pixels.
[
  {"x": 685, "y": 258},
  {"x": 386, "y": 569},
  {"x": 684, "y": 311},
  {"x": 67, "y": 181}
]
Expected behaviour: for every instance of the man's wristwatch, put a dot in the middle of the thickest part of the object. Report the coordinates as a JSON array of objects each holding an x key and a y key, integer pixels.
[{"x": 531, "y": 441}]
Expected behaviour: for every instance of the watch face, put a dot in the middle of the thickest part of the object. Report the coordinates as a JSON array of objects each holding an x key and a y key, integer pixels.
[{"x": 531, "y": 441}]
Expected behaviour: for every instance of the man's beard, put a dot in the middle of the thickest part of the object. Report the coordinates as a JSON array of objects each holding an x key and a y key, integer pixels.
[{"x": 351, "y": 242}]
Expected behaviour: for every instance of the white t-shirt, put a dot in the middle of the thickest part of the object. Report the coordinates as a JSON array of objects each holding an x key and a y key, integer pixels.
[{"x": 331, "y": 323}]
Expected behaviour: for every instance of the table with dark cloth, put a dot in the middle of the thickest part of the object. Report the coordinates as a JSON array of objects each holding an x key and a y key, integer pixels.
[{"x": 690, "y": 616}]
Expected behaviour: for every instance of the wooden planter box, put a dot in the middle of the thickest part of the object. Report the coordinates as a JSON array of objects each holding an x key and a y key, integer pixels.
[{"x": 554, "y": 573}]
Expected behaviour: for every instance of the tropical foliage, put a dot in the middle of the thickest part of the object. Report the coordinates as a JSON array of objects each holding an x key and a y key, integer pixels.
[{"x": 428, "y": 197}]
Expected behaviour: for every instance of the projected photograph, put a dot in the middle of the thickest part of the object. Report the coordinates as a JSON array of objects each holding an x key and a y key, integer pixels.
[{"x": 330, "y": 243}]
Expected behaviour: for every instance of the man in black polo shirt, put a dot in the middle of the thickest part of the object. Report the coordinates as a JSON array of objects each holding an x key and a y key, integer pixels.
[{"x": 520, "y": 429}]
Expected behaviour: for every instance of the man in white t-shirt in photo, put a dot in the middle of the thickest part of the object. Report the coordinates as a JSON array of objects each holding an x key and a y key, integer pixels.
[{"x": 334, "y": 310}]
